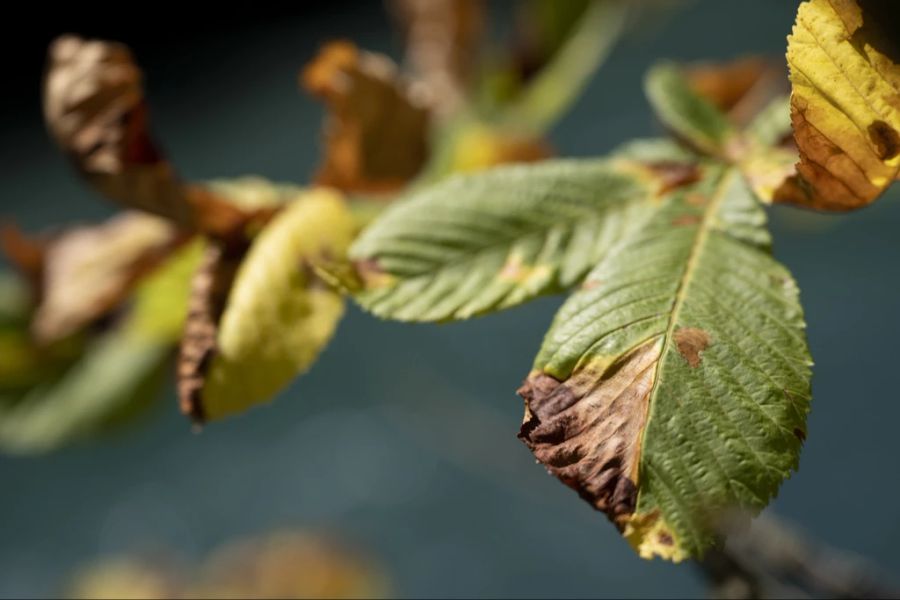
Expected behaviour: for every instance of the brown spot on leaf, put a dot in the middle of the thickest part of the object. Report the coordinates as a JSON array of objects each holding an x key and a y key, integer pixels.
[
  {"x": 665, "y": 539},
  {"x": 587, "y": 429},
  {"x": 885, "y": 138},
  {"x": 673, "y": 175},
  {"x": 695, "y": 199},
  {"x": 800, "y": 434},
  {"x": 209, "y": 294},
  {"x": 684, "y": 220},
  {"x": 691, "y": 342}
]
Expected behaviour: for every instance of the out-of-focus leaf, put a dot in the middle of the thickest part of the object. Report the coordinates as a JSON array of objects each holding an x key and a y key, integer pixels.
[
  {"x": 675, "y": 387},
  {"x": 845, "y": 106},
  {"x": 160, "y": 303},
  {"x": 376, "y": 136},
  {"x": 118, "y": 373},
  {"x": 475, "y": 244},
  {"x": 757, "y": 151},
  {"x": 289, "y": 565},
  {"x": 738, "y": 88},
  {"x": 442, "y": 43},
  {"x": 694, "y": 119},
  {"x": 252, "y": 192},
  {"x": 254, "y": 327},
  {"x": 94, "y": 107},
  {"x": 773, "y": 123},
  {"x": 283, "y": 564},
  {"x": 88, "y": 271}
]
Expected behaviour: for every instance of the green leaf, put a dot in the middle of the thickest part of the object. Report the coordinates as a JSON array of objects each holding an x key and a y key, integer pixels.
[
  {"x": 673, "y": 387},
  {"x": 773, "y": 123},
  {"x": 118, "y": 374},
  {"x": 476, "y": 244},
  {"x": 689, "y": 116},
  {"x": 278, "y": 315}
]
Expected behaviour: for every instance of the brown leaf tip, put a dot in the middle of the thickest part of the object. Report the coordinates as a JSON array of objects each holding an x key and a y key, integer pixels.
[
  {"x": 691, "y": 342},
  {"x": 586, "y": 430},
  {"x": 885, "y": 139}
]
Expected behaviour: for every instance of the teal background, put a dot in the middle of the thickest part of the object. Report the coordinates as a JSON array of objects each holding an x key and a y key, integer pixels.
[{"x": 402, "y": 438}]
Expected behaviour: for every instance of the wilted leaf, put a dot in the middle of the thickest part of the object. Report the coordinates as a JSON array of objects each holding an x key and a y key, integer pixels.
[
  {"x": 94, "y": 107},
  {"x": 85, "y": 272},
  {"x": 376, "y": 137},
  {"x": 845, "y": 106},
  {"x": 479, "y": 243},
  {"x": 442, "y": 43},
  {"x": 254, "y": 327},
  {"x": 676, "y": 387}
]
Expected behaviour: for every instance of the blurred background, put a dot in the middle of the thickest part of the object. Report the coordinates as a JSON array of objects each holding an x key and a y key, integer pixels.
[{"x": 401, "y": 441}]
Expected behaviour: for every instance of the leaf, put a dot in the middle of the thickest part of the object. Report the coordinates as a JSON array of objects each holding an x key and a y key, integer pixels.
[
  {"x": 118, "y": 374},
  {"x": 738, "y": 88},
  {"x": 845, "y": 107},
  {"x": 675, "y": 388},
  {"x": 257, "y": 321},
  {"x": 95, "y": 109},
  {"x": 372, "y": 109},
  {"x": 475, "y": 244},
  {"x": 85, "y": 272},
  {"x": 692, "y": 118}
]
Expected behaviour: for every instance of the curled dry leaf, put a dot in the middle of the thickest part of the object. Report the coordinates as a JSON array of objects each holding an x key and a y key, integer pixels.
[
  {"x": 376, "y": 136},
  {"x": 260, "y": 316},
  {"x": 85, "y": 272},
  {"x": 845, "y": 106},
  {"x": 442, "y": 39},
  {"x": 95, "y": 109}
]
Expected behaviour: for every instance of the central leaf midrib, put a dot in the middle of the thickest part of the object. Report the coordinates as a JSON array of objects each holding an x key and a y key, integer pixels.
[{"x": 702, "y": 235}]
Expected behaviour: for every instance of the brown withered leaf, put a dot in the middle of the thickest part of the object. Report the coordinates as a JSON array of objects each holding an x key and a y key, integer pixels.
[
  {"x": 739, "y": 88},
  {"x": 209, "y": 295},
  {"x": 85, "y": 272},
  {"x": 95, "y": 109},
  {"x": 587, "y": 430},
  {"x": 376, "y": 135},
  {"x": 442, "y": 39}
]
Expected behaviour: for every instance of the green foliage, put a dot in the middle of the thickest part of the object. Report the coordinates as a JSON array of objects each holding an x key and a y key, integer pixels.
[
  {"x": 475, "y": 244},
  {"x": 690, "y": 117},
  {"x": 729, "y": 390}
]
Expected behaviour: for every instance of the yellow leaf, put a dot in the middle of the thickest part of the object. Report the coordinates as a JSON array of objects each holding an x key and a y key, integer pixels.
[
  {"x": 845, "y": 107},
  {"x": 278, "y": 315}
]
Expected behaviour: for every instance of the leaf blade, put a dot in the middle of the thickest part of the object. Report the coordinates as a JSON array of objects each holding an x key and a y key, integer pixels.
[
  {"x": 617, "y": 406},
  {"x": 475, "y": 244}
]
